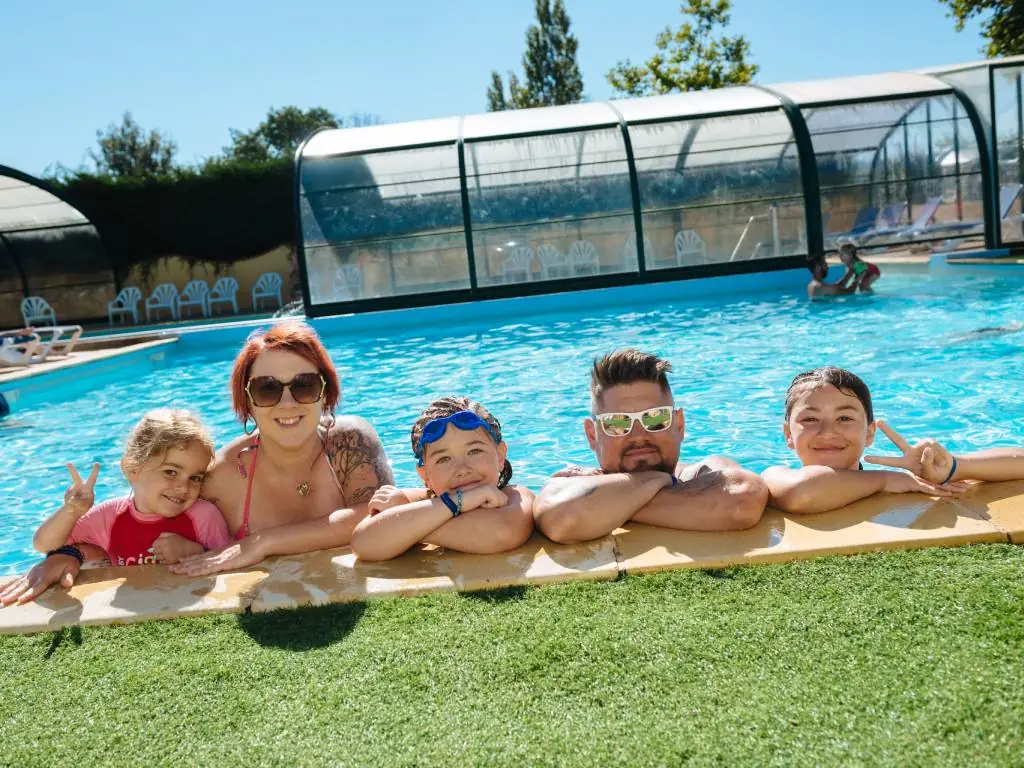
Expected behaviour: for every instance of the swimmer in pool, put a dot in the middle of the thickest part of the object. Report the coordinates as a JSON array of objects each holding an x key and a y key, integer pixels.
[
  {"x": 864, "y": 273},
  {"x": 818, "y": 287}
]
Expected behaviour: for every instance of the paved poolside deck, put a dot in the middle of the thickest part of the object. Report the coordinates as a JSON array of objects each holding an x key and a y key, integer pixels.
[
  {"x": 990, "y": 512},
  {"x": 83, "y": 354}
]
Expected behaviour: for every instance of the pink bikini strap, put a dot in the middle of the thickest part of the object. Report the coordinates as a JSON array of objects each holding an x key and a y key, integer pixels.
[{"x": 244, "y": 530}]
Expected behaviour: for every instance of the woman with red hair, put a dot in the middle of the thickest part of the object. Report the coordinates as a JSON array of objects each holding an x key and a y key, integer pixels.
[{"x": 300, "y": 478}]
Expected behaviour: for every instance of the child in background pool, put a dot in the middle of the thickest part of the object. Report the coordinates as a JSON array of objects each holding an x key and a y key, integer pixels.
[
  {"x": 864, "y": 273},
  {"x": 467, "y": 504},
  {"x": 162, "y": 521},
  {"x": 829, "y": 421}
]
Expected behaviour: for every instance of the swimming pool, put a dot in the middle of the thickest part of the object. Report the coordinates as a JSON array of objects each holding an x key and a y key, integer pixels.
[{"x": 733, "y": 355}]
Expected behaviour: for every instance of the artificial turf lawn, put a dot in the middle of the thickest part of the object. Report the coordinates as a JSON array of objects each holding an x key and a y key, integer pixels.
[{"x": 906, "y": 658}]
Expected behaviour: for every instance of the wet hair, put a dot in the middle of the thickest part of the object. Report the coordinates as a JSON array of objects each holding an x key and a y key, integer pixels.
[
  {"x": 817, "y": 262},
  {"x": 626, "y": 366},
  {"x": 159, "y": 431},
  {"x": 291, "y": 336},
  {"x": 446, "y": 406},
  {"x": 846, "y": 382},
  {"x": 849, "y": 248}
]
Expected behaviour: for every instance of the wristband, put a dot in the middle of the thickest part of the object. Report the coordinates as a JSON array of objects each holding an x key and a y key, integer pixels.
[
  {"x": 675, "y": 480},
  {"x": 454, "y": 506},
  {"x": 68, "y": 549},
  {"x": 952, "y": 472}
]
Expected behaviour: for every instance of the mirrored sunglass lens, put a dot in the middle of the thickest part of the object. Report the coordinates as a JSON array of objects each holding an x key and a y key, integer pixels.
[
  {"x": 656, "y": 420},
  {"x": 617, "y": 423},
  {"x": 265, "y": 390},
  {"x": 306, "y": 388}
]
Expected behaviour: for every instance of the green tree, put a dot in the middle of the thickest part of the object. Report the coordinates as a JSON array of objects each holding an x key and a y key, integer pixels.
[
  {"x": 1004, "y": 28},
  {"x": 127, "y": 151},
  {"x": 279, "y": 135},
  {"x": 695, "y": 57},
  {"x": 551, "y": 73}
]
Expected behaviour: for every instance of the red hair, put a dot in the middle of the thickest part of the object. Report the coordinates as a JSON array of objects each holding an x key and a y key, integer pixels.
[{"x": 295, "y": 337}]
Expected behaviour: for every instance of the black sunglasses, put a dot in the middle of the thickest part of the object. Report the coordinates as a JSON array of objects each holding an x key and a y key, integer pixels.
[{"x": 266, "y": 391}]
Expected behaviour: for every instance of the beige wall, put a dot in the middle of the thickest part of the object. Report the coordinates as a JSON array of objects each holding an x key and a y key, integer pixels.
[{"x": 174, "y": 269}]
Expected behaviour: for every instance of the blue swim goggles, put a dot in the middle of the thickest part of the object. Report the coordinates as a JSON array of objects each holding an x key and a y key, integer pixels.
[{"x": 434, "y": 429}]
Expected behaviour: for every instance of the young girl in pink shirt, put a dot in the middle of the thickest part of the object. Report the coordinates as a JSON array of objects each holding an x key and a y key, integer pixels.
[{"x": 161, "y": 521}]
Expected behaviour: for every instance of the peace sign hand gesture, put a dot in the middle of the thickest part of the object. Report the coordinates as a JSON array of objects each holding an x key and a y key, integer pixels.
[
  {"x": 928, "y": 459},
  {"x": 79, "y": 497}
]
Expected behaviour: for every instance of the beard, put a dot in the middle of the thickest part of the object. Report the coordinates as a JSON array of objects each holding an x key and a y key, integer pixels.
[{"x": 646, "y": 463}]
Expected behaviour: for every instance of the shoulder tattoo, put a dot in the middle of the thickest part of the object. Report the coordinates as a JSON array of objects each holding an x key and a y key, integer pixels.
[{"x": 357, "y": 456}]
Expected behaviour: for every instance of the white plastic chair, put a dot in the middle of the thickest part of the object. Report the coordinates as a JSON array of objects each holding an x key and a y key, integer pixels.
[
  {"x": 194, "y": 295},
  {"x": 348, "y": 283},
  {"x": 583, "y": 258},
  {"x": 629, "y": 257},
  {"x": 126, "y": 303},
  {"x": 164, "y": 296},
  {"x": 268, "y": 286},
  {"x": 553, "y": 263},
  {"x": 690, "y": 248},
  {"x": 36, "y": 309},
  {"x": 518, "y": 265},
  {"x": 224, "y": 291}
]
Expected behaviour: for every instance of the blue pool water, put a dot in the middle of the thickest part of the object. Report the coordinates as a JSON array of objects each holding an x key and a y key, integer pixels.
[{"x": 733, "y": 358}]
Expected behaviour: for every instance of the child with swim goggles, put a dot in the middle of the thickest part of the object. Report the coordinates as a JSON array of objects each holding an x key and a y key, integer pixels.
[
  {"x": 162, "y": 521},
  {"x": 864, "y": 273},
  {"x": 466, "y": 504},
  {"x": 829, "y": 421}
]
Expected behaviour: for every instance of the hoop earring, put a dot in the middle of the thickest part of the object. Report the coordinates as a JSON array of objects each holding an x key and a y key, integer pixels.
[{"x": 245, "y": 425}]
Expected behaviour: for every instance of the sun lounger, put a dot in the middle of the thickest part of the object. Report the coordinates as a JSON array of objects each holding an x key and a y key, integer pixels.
[
  {"x": 865, "y": 220},
  {"x": 58, "y": 340},
  {"x": 21, "y": 347}
]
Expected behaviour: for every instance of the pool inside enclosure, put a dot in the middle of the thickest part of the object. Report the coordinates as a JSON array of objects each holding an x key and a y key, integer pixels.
[{"x": 736, "y": 180}]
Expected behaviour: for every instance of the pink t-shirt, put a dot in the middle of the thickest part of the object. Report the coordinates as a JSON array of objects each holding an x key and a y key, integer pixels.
[{"x": 126, "y": 540}]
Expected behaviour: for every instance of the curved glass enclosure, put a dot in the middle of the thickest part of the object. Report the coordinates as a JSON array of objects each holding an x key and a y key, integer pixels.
[
  {"x": 48, "y": 248},
  {"x": 662, "y": 188}
]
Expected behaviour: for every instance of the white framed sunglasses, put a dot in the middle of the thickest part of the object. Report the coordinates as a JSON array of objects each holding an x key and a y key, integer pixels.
[{"x": 620, "y": 424}]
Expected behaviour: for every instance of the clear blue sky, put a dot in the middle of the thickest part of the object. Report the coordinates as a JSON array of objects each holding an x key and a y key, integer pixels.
[{"x": 195, "y": 69}]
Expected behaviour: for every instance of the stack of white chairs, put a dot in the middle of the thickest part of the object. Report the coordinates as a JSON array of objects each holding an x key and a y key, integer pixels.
[
  {"x": 553, "y": 263},
  {"x": 126, "y": 303},
  {"x": 690, "y": 248},
  {"x": 194, "y": 294},
  {"x": 224, "y": 291},
  {"x": 164, "y": 296},
  {"x": 583, "y": 258},
  {"x": 518, "y": 265},
  {"x": 268, "y": 286}
]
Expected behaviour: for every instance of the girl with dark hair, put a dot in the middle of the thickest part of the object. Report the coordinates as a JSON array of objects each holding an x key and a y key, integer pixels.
[
  {"x": 466, "y": 504},
  {"x": 829, "y": 421}
]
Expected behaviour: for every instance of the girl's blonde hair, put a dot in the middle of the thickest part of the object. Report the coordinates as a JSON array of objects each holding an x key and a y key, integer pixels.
[{"x": 159, "y": 431}]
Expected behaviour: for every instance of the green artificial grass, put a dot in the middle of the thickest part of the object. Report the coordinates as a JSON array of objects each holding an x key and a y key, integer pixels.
[{"x": 906, "y": 658}]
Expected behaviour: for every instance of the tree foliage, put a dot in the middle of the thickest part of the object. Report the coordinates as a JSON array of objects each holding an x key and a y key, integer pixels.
[
  {"x": 551, "y": 72},
  {"x": 279, "y": 135},
  {"x": 1004, "y": 28},
  {"x": 696, "y": 57},
  {"x": 127, "y": 151}
]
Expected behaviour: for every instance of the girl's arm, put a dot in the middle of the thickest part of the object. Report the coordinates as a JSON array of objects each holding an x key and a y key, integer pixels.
[
  {"x": 488, "y": 531},
  {"x": 994, "y": 464},
  {"x": 393, "y": 531},
  {"x": 818, "y": 489},
  {"x": 933, "y": 461},
  {"x": 78, "y": 499}
]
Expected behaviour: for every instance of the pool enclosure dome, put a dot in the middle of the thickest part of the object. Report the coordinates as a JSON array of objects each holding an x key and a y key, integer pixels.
[
  {"x": 741, "y": 179},
  {"x": 48, "y": 247}
]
